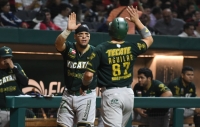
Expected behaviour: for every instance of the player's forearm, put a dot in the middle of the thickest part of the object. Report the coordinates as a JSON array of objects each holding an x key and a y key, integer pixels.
[
  {"x": 87, "y": 78},
  {"x": 144, "y": 32},
  {"x": 21, "y": 78},
  {"x": 167, "y": 94},
  {"x": 60, "y": 40}
]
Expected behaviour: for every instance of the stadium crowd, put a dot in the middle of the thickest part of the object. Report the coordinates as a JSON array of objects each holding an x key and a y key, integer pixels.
[{"x": 162, "y": 17}]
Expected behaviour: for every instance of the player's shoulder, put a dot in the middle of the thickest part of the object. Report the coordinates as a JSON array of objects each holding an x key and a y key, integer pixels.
[
  {"x": 92, "y": 47},
  {"x": 157, "y": 82},
  {"x": 101, "y": 45},
  {"x": 175, "y": 82},
  {"x": 17, "y": 65}
]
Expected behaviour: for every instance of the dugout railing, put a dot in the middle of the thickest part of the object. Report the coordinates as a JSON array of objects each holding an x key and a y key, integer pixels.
[{"x": 17, "y": 105}]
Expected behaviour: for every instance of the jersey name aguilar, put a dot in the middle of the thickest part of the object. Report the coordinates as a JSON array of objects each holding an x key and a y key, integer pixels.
[
  {"x": 8, "y": 78},
  {"x": 120, "y": 60}
]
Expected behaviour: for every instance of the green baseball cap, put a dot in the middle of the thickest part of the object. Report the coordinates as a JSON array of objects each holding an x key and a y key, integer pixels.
[{"x": 5, "y": 52}]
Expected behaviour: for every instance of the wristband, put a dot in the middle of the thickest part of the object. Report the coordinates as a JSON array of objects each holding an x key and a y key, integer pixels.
[
  {"x": 145, "y": 32},
  {"x": 65, "y": 33}
]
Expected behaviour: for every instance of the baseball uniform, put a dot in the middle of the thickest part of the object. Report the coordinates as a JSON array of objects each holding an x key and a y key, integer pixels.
[
  {"x": 75, "y": 107},
  {"x": 156, "y": 89},
  {"x": 114, "y": 63}
]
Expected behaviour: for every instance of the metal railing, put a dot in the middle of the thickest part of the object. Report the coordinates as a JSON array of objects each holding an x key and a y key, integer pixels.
[{"x": 17, "y": 105}]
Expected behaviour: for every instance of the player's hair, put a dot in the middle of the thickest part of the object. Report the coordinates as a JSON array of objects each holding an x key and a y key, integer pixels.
[
  {"x": 187, "y": 68},
  {"x": 146, "y": 71},
  {"x": 118, "y": 28}
]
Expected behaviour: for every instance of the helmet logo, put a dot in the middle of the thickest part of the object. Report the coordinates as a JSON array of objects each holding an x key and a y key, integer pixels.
[{"x": 7, "y": 51}]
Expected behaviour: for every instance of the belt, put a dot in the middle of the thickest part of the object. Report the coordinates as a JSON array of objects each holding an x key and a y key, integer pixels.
[
  {"x": 113, "y": 87},
  {"x": 77, "y": 93}
]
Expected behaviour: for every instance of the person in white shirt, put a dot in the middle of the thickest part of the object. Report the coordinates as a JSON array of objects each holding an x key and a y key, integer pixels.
[
  {"x": 188, "y": 30},
  {"x": 62, "y": 18},
  {"x": 197, "y": 30},
  {"x": 29, "y": 5}
]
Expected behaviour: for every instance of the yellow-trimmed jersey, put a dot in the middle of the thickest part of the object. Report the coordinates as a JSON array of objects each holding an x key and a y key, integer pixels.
[
  {"x": 75, "y": 65},
  {"x": 114, "y": 62}
]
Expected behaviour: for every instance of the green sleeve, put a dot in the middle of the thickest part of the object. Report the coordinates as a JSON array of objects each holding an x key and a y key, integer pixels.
[{"x": 94, "y": 60}]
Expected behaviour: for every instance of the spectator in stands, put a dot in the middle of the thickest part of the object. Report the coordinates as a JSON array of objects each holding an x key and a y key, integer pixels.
[
  {"x": 155, "y": 15},
  {"x": 54, "y": 7},
  {"x": 147, "y": 9},
  {"x": 197, "y": 16},
  {"x": 188, "y": 30},
  {"x": 88, "y": 15},
  {"x": 168, "y": 25},
  {"x": 8, "y": 18},
  {"x": 29, "y": 5},
  {"x": 147, "y": 87},
  {"x": 197, "y": 30},
  {"x": 190, "y": 11},
  {"x": 114, "y": 4},
  {"x": 181, "y": 8},
  {"x": 47, "y": 24},
  {"x": 144, "y": 18},
  {"x": 12, "y": 78},
  {"x": 40, "y": 16},
  {"x": 121, "y": 12},
  {"x": 62, "y": 18},
  {"x": 75, "y": 7},
  {"x": 183, "y": 86}
]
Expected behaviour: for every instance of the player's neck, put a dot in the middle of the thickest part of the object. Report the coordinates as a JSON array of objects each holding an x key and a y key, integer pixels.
[
  {"x": 81, "y": 49},
  {"x": 117, "y": 42}
]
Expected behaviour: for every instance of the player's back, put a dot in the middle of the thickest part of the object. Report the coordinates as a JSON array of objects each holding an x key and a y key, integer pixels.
[{"x": 116, "y": 63}]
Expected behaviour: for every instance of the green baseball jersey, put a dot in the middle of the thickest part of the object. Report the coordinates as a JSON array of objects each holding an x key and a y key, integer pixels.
[
  {"x": 115, "y": 62},
  {"x": 156, "y": 89},
  {"x": 11, "y": 82},
  {"x": 75, "y": 65},
  {"x": 179, "y": 89}
]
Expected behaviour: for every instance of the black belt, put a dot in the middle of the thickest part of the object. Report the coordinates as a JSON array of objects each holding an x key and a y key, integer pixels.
[
  {"x": 77, "y": 93},
  {"x": 114, "y": 87}
]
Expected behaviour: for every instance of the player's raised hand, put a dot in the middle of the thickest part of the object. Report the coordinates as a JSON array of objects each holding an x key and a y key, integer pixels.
[
  {"x": 133, "y": 12},
  {"x": 72, "y": 22}
]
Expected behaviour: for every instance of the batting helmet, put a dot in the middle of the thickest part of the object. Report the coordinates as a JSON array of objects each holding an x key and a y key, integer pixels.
[
  {"x": 5, "y": 52},
  {"x": 118, "y": 28}
]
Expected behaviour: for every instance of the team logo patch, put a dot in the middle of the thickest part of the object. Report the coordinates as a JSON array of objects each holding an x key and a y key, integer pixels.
[
  {"x": 114, "y": 102},
  {"x": 7, "y": 51},
  {"x": 72, "y": 53}
]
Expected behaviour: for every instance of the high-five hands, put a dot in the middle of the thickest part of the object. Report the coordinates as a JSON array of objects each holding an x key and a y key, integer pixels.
[
  {"x": 133, "y": 12},
  {"x": 72, "y": 22}
]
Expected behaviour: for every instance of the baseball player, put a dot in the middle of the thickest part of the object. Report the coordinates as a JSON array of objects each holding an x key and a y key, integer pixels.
[
  {"x": 183, "y": 86},
  {"x": 147, "y": 87},
  {"x": 12, "y": 79},
  {"x": 114, "y": 61},
  {"x": 76, "y": 108}
]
